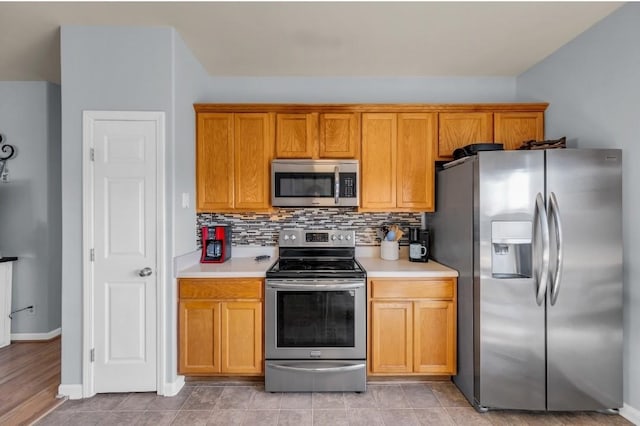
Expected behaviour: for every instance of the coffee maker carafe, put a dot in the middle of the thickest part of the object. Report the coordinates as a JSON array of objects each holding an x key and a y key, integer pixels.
[
  {"x": 418, "y": 245},
  {"x": 216, "y": 244}
]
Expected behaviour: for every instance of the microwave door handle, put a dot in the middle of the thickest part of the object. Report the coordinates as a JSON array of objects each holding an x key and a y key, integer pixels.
[{"x": 337, "y": 185}]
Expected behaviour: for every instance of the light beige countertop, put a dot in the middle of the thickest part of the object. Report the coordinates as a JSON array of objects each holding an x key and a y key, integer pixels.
[
  {"x": 236, "y": 267},
  {"x": 402, "y": 268},
  {"x": 369, "y": 257}
]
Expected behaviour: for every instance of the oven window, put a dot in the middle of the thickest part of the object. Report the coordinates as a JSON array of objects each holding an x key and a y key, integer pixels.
[
  {"x": 315, "y": 319},
  {"x": 304, "y": 184}
]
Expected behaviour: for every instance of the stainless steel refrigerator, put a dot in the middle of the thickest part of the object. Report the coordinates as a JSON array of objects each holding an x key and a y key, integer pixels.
[{"x": 537, "y": 239}]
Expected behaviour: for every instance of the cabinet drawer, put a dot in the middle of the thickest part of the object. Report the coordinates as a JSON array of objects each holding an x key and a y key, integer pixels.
[
  {"x": 232, "y": 288},
  {"x": 413, "y": 289}
]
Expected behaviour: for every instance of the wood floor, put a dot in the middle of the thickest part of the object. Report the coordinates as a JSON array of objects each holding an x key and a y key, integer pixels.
[{"x": 29, "y": 379}]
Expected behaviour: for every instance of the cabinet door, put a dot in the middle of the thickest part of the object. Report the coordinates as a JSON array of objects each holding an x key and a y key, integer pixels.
[
  {"x": 214, "y": 162},
  {"x": 513, "y": 128},
  {"x": 253, "y": 146},
  {"x": 241, "y": 337},
  {"x": 417, "y": 135},
  {"x": 296, "y": 135},
  {"x": 378, "y": 160},
  {"x": 391, "y": 337},
  {"x": 434, "y": 337},
  {"x": 199, "y": 337},
  {"x": 339, "y": 135},
  {"x": 458, "y": 129}
]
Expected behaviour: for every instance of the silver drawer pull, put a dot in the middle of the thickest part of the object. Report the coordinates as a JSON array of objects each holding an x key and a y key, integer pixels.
[{"x": 319, "y": 370}]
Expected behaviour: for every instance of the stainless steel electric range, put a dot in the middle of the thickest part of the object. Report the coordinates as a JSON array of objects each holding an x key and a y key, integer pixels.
[{"x": 315, "y": 314}]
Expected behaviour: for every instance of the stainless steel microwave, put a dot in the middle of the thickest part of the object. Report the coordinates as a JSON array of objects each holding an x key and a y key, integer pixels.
[{"x": 314, "y": 183}]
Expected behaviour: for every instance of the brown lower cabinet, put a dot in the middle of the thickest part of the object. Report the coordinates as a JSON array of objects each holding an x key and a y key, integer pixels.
[
  {"x": 220, "y": 327},
  {"x": 412, "y": 326}
]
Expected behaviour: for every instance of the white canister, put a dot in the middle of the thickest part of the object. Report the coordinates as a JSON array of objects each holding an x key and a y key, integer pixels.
[{"x": 389, "y": 250}]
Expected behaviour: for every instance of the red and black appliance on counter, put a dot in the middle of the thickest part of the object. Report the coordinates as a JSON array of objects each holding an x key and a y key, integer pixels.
[{"x": 216, "y": 244}]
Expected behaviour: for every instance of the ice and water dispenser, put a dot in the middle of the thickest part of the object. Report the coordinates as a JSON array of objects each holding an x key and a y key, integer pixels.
[{"x": 511, "y": 249}]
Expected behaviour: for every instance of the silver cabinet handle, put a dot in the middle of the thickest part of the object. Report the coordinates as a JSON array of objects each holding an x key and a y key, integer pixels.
[
  {"x": 540, "y": 217},
  {"x": 145, "y": 272},
  {"x": 554, "y": 214},
  {"x": 319, "y": 370},
  {"x": 337, "y": 188},
  {"x": 306, "y": 287}
]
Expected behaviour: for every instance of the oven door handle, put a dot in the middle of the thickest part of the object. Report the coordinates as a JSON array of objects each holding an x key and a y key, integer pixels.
[
  {"x": 347, "y": 286},
  {"x": 319, "y": 370}
]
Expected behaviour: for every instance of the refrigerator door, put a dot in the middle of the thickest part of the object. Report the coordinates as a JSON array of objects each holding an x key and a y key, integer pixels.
[
  {"x": 584, "y": 308},
  {"x": 510, "y": 334}
]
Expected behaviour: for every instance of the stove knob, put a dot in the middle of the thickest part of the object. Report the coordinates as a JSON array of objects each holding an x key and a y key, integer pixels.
[
  {"x": 333, "y": 237},
  {"x": 293, "y": 237},
  {"x": 341, "y": 237},
  {"x": 286, "y": 237},
  {"x": 348, "y": 237}
]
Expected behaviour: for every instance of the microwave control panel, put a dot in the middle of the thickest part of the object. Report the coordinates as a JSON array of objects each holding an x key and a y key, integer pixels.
[{"x": 348, "y": 185}]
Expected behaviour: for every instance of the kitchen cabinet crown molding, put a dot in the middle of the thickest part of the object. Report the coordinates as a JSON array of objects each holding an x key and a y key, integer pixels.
[{"x": 357, "y": 107}]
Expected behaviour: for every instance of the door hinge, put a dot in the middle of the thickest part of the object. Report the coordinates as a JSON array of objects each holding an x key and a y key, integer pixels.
[
  {"x": 92, "y": 354},
  {"x": 92, "y": 255},
  {"x": 92, "y": 154}
]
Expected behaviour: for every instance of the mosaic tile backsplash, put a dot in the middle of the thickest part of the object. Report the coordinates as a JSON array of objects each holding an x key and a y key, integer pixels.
[{"x": 262, "y": 228}]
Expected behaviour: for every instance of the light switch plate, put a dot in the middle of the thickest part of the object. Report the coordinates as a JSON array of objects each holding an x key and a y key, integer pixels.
[{"x": 185, "y": 200}]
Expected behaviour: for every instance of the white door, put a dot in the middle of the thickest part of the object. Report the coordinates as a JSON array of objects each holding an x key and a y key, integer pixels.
[{"x": 124, "y": 261}]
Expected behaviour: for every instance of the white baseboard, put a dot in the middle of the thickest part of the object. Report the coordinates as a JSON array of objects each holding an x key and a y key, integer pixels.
[
  {"x": 70, "y": 391},
  {"x": 172, "y": 388},
  {"x": 631, "y": 414},
  {"x": 36, "y": 336}
]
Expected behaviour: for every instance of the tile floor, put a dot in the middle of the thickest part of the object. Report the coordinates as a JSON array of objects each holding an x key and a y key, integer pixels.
[{"x": 212, "y": 403}]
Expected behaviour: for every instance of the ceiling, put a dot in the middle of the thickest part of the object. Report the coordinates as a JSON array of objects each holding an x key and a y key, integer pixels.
[{"x": 314, "y": 38}]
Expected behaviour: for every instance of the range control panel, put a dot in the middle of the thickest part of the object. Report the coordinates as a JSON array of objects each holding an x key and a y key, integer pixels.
[{"x": 295, "y": 237}]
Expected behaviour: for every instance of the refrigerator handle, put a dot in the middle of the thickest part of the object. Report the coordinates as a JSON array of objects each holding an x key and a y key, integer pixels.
[
  {"x": 554, "y": 214},
  {"x": 540, "y": 219}
]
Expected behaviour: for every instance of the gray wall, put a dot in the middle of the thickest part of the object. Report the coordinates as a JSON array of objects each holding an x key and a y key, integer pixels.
[
  {"x": 592, "y": 87},
  {"x": 30, "y": 205},
  {"x": 362, "y": 89},
  {"x": 190, "y": 84},
  {"x": 103, "y": 68}
]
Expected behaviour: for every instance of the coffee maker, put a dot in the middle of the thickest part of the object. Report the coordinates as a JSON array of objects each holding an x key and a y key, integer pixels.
[
  {"x": 216, "y": 244},
  {"x": 418, "y": 245}
]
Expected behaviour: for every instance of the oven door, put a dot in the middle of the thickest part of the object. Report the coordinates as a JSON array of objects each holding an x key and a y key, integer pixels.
[{"x": 310, "y": 319}]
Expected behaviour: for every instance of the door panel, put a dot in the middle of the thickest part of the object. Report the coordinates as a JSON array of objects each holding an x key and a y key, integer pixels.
[
  {"x": 417, "y": 134},
  {"x": 513, "y": 128},
  {"x": 241, "y": 337},
  {"x": 339, "y": 135},
  {"x": 124, "y": 228},
  {"x": 458, "y": 129},
  {"x": 199, "y": 336},
  {"x": 391, "y": 337},
  {"x": 296, "y": 135},
  {"x": 379, "y": 148},
  {"x": 510, "y": 323},
  {"x": 214, "y": 162},
  {"x": 584, "y": 336},
  {"x": 434, "y": 337},
  {"x": 254, "y": 141},
  {"x": 126, "y": 321}
]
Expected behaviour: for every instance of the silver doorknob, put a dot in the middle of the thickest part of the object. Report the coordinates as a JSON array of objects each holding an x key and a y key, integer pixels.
[{"x": 145, "y": 272}]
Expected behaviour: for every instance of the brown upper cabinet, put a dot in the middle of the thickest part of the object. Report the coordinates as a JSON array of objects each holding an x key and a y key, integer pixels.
[
  {"x": 510, "y": 128},
  {"x": 458, "y": 129},
  {"x": 397, "y": 161},
  {"x": 233, "y": 159},
  {"x": 513, "y": 128},
  {"x": 317, "y": 135},
  {"x": 397, "y": 145}
]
